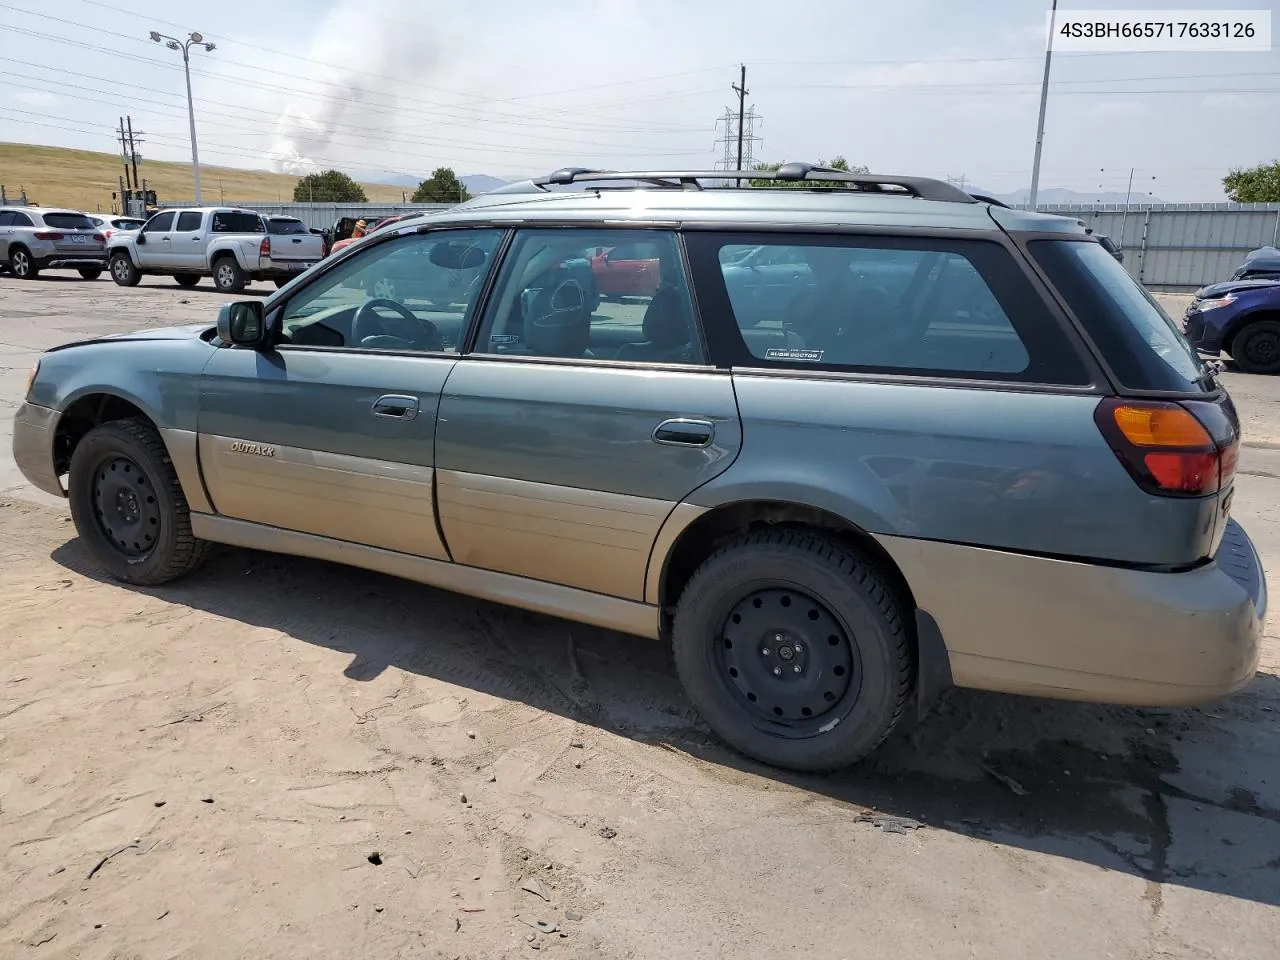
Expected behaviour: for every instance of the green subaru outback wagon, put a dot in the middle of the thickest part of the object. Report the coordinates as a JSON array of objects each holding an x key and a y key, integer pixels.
[{"x": 856, "y": 441}]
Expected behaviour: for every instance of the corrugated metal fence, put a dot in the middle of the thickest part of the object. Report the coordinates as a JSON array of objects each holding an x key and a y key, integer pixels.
[
  {"x": 1175, "y": 246},
  {"x": 1182, "y": 246},
  {"x": 320, "y": 215}
]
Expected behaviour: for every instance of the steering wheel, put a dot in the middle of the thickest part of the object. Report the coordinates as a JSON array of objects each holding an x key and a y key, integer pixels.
[{"x": 407, "y": 329}]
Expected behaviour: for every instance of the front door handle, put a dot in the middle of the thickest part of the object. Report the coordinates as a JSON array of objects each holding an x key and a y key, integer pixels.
[
  {"x": 681, "y": 432},
  {"x": 394, "y": 406}
]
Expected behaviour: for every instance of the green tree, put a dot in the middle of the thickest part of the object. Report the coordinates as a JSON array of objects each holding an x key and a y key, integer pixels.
[
  {"x": 839, "y": 163},
  {"x": 1261, "y": 184},
  {"x": 332, "y": 186},
  {"x": 443, "y": 187}
]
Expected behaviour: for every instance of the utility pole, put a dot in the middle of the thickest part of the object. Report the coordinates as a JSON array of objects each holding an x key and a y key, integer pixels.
[
  {"x": 124, "y": 154},
  {"x": 133, "y": 151},
  {"x": 1044, "y": 102},
  {"x": 740, "y": 88}
]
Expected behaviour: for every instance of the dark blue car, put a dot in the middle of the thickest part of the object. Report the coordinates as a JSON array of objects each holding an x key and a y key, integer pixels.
[
  {"x": 1240, "y": 318},
  {"x": 1260, "y": 264}
]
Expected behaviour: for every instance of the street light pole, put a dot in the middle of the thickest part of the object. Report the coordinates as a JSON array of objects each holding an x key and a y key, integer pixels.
[
  {"x": 193, "y": 39},
  {"x": 1044, "y": 102}
]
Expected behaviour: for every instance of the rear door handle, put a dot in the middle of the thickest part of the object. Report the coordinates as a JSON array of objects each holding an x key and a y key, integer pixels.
[
  {"x": 682, "y": 432},
  {"x": 394, "y": 406}
]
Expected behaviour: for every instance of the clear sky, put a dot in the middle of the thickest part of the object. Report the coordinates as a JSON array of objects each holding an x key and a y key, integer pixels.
[{"x": 513, "y": 88}]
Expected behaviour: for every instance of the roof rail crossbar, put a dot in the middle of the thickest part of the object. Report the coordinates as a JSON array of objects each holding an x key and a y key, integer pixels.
[{"x": 923, "y": 188}]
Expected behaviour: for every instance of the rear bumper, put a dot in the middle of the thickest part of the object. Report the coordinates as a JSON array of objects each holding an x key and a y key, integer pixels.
[
  {"x": 33, "y": 431},
  {"x": 284, "y": 268},
  {"x": 78, "y": 261},
  {"x": 1055, "y": 628}
]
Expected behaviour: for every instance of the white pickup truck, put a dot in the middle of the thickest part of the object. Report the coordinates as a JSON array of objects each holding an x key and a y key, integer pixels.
[{"x": 232, "y": 246}]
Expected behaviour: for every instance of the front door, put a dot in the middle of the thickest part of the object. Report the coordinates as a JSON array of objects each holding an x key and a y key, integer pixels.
[
  {"x": 154, "y": 245},
  {"x": 565, "y": 439},
  {"x": 333, "y": 432}
]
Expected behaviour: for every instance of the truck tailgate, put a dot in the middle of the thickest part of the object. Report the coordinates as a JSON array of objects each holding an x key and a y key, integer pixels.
[{"x": 309, "y": 247}]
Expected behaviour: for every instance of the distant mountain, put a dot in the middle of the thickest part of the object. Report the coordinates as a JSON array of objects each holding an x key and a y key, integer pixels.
[
  {"x": 475, "y": 183},
  {"x": 1053, "y": 196}
]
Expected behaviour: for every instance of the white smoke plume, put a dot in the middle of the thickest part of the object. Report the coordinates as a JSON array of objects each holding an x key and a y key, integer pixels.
[{"x": 367, "y": 52}]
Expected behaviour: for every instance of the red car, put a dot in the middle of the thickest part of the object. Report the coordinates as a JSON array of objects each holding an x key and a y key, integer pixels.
[{"x": 629, "y": 270}]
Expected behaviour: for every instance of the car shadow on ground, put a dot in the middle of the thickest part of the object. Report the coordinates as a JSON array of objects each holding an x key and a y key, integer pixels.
[{"x": 1183, "y": 797}]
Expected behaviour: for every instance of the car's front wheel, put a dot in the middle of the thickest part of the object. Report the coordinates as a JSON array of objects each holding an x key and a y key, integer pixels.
[
  {"x": 21, "y": 265},
  {"x": 128, "y": 505},
  {"x": 794, "y": 649},
  {"x": 1256, "y": 348},
  {"x": 123, "y": 270}
]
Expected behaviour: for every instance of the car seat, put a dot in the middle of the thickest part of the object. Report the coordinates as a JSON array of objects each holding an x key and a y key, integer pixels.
[{"x": 667, "y": 328}]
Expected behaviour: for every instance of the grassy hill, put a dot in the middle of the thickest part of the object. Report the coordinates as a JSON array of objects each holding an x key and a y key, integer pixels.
[{"x": 84, "y": 180}]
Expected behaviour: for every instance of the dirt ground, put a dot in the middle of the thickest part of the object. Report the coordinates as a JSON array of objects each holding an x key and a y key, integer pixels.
[{"x": 282, "y": 758}]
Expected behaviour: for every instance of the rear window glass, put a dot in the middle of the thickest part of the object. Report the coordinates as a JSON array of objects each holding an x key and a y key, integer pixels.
[
  {"x": 285, "y": 227},
  {"x": 237, "y": 223},
  {"x": 926, "y": 307},
  {"x": 68, "y": 221},
  {"x": 1137, "y": 338}
]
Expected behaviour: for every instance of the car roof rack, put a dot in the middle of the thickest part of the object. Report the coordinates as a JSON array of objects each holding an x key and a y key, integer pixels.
[{"x": 922, "y": 188}]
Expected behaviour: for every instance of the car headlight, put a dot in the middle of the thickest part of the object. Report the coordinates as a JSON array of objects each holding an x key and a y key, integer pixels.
[
  {"x": 31, "y": 378},
  {"x": 1203, "y": 306}
]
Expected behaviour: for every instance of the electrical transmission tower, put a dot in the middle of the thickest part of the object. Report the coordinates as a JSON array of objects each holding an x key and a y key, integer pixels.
[
  {"x": 959, "y": 181},
  {"x": 739, "y": 134}
]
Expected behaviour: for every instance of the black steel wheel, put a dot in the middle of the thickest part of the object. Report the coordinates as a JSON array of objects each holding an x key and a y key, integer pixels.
[
  {"x": 788, "y": 658},
  {"x": 128, "y": 505},
  {"x": 793, "y": 647},
  {"x": 1256, "y": 348}
]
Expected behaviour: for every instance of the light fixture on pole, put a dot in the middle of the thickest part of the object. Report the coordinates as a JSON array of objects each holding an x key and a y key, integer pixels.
[
  {"x": 1044, "y": 102},
  {"x": 194, "y": 39}
]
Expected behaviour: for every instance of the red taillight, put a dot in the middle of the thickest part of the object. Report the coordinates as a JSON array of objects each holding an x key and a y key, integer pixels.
[
  {"x": 46, "y": 235},
  {"x": 1167, "y": 449},
  {"x": 265, "y": 249},
  {"x": 99, "y": 237}
]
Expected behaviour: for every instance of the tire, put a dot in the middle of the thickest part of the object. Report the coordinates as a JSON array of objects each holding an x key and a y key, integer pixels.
[
  {"x": 227, "y": 275},
  {"x": 848, "y": 676},
  {"x": 90, "y": 273},
  {"x": 186, "y": 280},
  {"x": 123, "y": 271},
  {"x": 1256, "y": 348},
  {"x": 21, "y": 265},
  {"x": 280, "y": 282},
  {"x": 127, "y": 462}
]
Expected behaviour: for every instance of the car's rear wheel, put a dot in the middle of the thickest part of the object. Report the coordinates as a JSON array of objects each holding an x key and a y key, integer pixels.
[
  {"x": 1256, "y": 348},
  {"x": 227, "y": 275},
  {"x": 21, "y": 265},
  {"x": 128, "y": 505},
  {"x": 794, "y": 649},
  {"x": 187, "y": 280},
  {"x": 90, "y": 273},
  {"x": 280, "y": 282},
  {"x": 123, "y": 271}
]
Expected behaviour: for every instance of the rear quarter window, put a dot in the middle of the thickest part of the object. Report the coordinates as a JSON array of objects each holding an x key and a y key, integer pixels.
[
  {"x": 1137, "y": 339},
  {"x": 226, "y": 222},
  {"x": 933, "y": 307}
]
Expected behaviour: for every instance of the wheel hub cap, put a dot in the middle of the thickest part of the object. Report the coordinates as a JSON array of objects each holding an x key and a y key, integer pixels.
[
  {"x": 125, "y": 505},
  {"x": 786, "y": 657}
]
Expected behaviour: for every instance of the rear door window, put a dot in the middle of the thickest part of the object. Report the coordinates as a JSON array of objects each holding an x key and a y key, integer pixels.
[
  {"x": 1135, "y": 336},
  {"x": 929, "y": 307},
  {"x": 189, "y": 221},
  {"x": 68, "y": 221}
]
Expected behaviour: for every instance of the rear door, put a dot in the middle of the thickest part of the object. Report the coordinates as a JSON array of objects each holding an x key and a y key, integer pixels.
[
  {"x": 566, "y": 439},
  {"x": 188, "y": 241},
  {"x": 6, "y": 233}
]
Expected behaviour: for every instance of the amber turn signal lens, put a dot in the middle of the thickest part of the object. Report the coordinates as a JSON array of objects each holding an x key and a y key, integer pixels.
[{"x": 1150, "y": 425}]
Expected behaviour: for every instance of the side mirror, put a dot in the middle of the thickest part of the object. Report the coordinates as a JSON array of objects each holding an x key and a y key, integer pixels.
[
  {"x": 242, "y": 323},
  {"x": 142, "y": 237}
]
